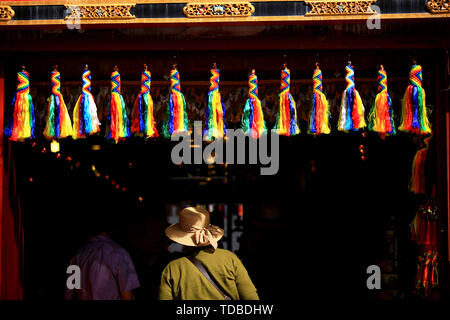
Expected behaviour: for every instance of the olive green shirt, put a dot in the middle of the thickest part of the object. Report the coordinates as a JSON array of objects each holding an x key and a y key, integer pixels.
[{"x": 181, "y": 280}]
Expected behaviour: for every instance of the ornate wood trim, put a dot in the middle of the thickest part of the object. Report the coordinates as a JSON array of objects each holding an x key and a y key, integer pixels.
[
  {"x": 86, "y": 11},
  {"x": 438, "y": 6},
  {"x": 6, "y": 13},
  {"x": 231, "y": 20},
  {"x": 104, "y": 2},
  {"x": 333, "y": 7},
  {"x": 218, "y": 9}
]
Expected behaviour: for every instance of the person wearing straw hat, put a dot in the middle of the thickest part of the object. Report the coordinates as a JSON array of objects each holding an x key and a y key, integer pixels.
[{"x": 205, "y": 272}]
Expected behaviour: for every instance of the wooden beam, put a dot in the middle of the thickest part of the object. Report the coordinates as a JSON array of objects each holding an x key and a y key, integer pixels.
[
  {"x": 100, "y": 2},
  {"x": 253, "y": 20},
  {"x": 84, "y": 44}
]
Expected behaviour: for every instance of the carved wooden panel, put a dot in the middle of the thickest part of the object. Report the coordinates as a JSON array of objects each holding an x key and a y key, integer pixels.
[
  {"x": 332, "y": 7},
  {"x": 6, "y": 13},
  {"x": 219, "y": 9},
  {"x": 439, "y": 6},
  {"x": 120, "y": 11}
]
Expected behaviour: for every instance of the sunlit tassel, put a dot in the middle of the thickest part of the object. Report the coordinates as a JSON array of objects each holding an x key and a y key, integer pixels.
[
  {"x": 434, "y": 270},
  {"x": 417, "y": 182},
  {"x": 58, "y": 120},
  {"x": 85, "y": 119},
  {"x": 351, "y": 116},
  {"x": 414, "y": 110},
  {"x": 286, "y": 123},
  {"x": 320, "y": 112},
  {"x": 215, "y": 110},
  {"x": 118, "y": 120},
  {"x": 142, "y": 114},
  {"x": 176, "y": 121},
  {"x": 252, "y": 121},
  {"x": 381, "y": 115},
  {"x": 21, "y": 124}
]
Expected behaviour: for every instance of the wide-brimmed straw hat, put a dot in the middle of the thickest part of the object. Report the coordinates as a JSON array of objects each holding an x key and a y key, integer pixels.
[{"x": 194, "y": 229}]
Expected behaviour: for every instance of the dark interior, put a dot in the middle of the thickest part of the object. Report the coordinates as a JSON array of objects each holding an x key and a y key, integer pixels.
[{"x": 317, "y": 224}]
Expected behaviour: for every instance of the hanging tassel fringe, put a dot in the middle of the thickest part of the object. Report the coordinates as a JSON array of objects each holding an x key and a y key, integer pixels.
[
  {"x": 320, "y": 113},
  {"x": 427, "y": 276},
  {"x": 215, "y": 110},
  {"x": 85, "y": 119},
  {"x": 176, "y": 118},
  {"x": 22, "y": 123},
  {"x": 286, "y": 123},
  {"x": 414, "y": 110},
  {"x": 381, "y": 115},
  {"x": 352, "y": 109},
  {"x": 252, "y": 121},
  {"x": 417, "y": 182},
  {"x": 424, "y": 230},
  {"x": 58, "y": 120},
  {"x": 118, "y": 120},
  {"x": 142, "y": 114}
]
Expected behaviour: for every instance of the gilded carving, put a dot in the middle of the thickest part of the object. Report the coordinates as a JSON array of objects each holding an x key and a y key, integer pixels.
[
  {"x": 6, "y": 13},
  {"x": 439, "y": 6},
  {"x": 332, "y": 7},
  {"x": 219, "y": 9},
  {"x": 120, "y": 11}
]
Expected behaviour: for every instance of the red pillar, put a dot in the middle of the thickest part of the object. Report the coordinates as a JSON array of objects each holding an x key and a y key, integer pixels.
[
  {"x": 2, "y": 204},
  {"x": 11, "y": 222}
]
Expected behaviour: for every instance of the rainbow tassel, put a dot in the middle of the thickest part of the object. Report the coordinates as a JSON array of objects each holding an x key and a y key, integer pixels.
[
  {"x": 417, "y": 183},
  {"x": 252, "y": 122},
  {"x": 21, "y": 125},
  {"x": 286, "y": 123},
  {"x": 118, "y": 120},
  {"x": 320, "y": 113},
  {"x": 352, "y": 108},
  {"x": 58, "y": 120},
  {"x": 381, "y": 115},
  {"x": 424, "y": 230},
  {"x": 176, "y": 118},
  {"x": 414, "y": 110},
  {"x": 142, "y": 114},
  {"x": 85, "y": 119},
  {"x": 215, "y": 110}
]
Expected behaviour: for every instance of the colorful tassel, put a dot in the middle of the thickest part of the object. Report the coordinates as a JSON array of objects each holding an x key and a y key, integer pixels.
[
  {"x": 252, "y": 122},
  {"x": 215, "y": 110},
  {"x": 417, "y": 183},
  {"x": 22, "y": 124},
  {"x": 425, "y": 233},
  {"x": 58, "y": 120},
  {"x": 352, "y": 109},
  {"x": 85, "y": 119},
  {"x": 176, "y": 118},
  {"x": 320, "y": 112},
  {"x": 142, "y": 114},
  {"x": 118, "y": 120},
  {"x": 424, "y": 227},
  {"x": 414, "y": 110},
  {"x": 381, "y": 115},
  {"x": 286, "y": 123}
]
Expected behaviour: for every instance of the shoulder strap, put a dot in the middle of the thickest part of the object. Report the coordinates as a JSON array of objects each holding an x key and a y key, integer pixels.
[{"x": 203, "y": 270}]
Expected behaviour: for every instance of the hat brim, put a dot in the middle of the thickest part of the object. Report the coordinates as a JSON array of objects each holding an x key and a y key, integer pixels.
[{"x": 175, "y": 233}]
